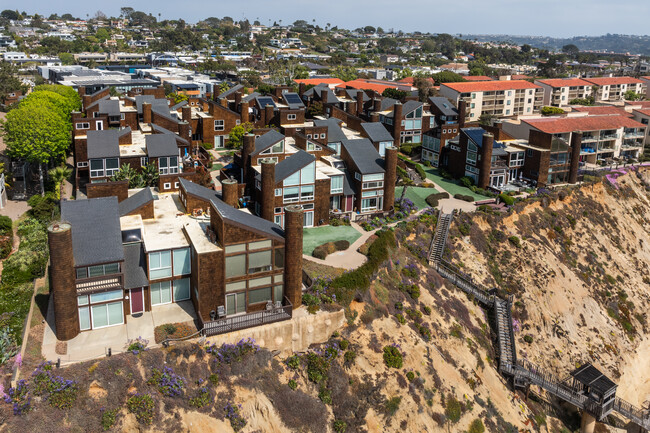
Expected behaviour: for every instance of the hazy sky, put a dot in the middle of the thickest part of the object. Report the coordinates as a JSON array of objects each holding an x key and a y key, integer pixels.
[{"x": 560, "y": 18}]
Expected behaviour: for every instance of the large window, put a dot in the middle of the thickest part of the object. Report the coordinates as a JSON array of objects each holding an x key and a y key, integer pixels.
[
  {"x": 160, "y": 265},
  {"x": 218, "y": 125},
  {"x": 104, "y": 167},
  {"x": 291, "y": 194},
  {"x": 307, "y": 193},
  {"x": 182, "y": 264},
  {"x": 259, "y": 295},
  {"x": 236, "y": 303},
  {"x": 161, "y": 293},
  {"x": 181, "y": 289},
  {"x": 97, "y": 310},
  {"x": 236, "y": 266},
  {"x": 259, "y": 261},
  {"x": 471, "y": 157},
  {"x": 107, "y": 314},
  {"x": 336, "y": 184},
  {"x": 168, "y": 164}
]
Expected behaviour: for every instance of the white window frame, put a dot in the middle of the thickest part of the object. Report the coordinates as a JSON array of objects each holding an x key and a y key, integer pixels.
[
  {"x": 219, "y": 125},
  {"x": 144, "y": 160},
  {"x": 82, "y": 125},
  {"x": 291, "y": 117}
]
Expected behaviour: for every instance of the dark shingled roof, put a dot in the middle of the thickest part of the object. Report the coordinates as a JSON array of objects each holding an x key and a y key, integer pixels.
[
  {"x": 410, "y": 106},
  {"x": 364, "y": 155},
  {"x": 197, "y": 190},
  {"x": 161, "y": 105},
  {"x": 592, "y": 377},
  {"x": 475, "y": 134},
  {"x": 443, "y": 104},
  {"x": 387, "y": 103},
  {"x": 352, "y": 94},
  {"x": 334, "y": 132},
  {"x": 290, "y": 165},
  {"x": 179, "y": 105},
  {"x": 103, "y": 144},
  {"x": 317, "y": 91},
  {"x": 348, "y": 181},
  {"x": 161, "y": 145},
  {"x": 232, "y": 215},
  {"x": 136, "y": 201},
  {"x": 135, "y": 275},
  {"x": 377, "y": 132},
  {"x": 96, "y": 232},
  {"x": 249, "y": 98},
  {"x": 267, "y": 140},
  {"x": 109, "y": 106},
  {"x": 230, "y": 91},
  {"x": 160, "y": 129}
]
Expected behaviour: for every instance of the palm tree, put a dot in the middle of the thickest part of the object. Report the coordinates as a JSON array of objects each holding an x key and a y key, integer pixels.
[{"x": 59, "y": 175}]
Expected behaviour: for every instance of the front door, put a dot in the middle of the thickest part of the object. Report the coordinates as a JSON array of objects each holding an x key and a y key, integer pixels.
[{"x": 137, "y": 301}]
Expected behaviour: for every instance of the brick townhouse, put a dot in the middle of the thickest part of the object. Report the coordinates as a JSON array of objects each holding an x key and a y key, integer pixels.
[
  {"x": 541, "y": 159},
  {"x": 447, "y": 122},
  {"x": 112, "y": 259}
]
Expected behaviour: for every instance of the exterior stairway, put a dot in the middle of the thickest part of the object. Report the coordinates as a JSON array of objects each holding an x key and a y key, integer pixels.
[{"x": 439, "y": 240}]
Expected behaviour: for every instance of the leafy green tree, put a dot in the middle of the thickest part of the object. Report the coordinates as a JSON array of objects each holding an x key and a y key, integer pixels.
[
  {"x": 570, "y": 49},
  {"x": 66, "y": 91},
  {"x": 53, "y": 101},
  {"x": 549, "y": 111},
  {"x": 36, "y": 134},
  {"x": 394, "y": 93},
  {"x": 66, "y": 58},
  {"x": 9, "y": 81},
  {"x": 236, "y": 136},
  {"x": 631, "y": 95},
  {"x": 178, "y": 97},
  {"x": 345, "y": 73},
  {"x": 447, "y": 77},
  {"x": 149, "y": 175},
  {"x": 476, "y": 426},
  {"x": 9, "y": 14},
  {"x": 59, "y": 175}
]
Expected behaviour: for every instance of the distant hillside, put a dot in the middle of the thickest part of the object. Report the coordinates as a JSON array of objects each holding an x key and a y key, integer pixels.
[{"x": 616, "y": 43}]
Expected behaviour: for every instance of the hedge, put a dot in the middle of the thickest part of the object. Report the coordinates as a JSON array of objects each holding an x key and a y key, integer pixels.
[
  {"x": 322, "y": 251},
  {"x": 6, "y": 236},
  {"x": 467, "y": 198},
  {"x": 420, "y": 171},
  {"x": 359, "y": 279},
  {"x": 507, "y": 199},
  {"x": 433, "y": 199}
]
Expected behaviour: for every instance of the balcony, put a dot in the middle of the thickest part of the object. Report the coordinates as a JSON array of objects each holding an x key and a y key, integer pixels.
[
  {"x": 607, "y": 137},
  {"x": 586, "y": 150},
  {"x": 631, "y": 144},
  {"x": 272, "y": 313},
  {"x": 589, "y": 138},
  {"x": 634, "y": 134},
  {"x": 102, "y": 283}
]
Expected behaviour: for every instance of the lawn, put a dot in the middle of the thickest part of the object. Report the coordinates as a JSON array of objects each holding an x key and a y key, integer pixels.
[
  {"x": 316, "y": 236},
  {"x": 416, "y": 194},
  {"x": 216, "y": 166},
  {"x": 450, "y": 185}
]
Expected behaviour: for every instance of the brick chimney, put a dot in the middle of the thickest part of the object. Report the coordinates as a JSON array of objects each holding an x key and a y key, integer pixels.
[
  {"x": 62, "y": 281},
  {"x": 146, "y": 112},
  {"x": 374, "y": 117},
  {"x": 323, "y": 95},
  {"x": 376, "y": 105},
  {"x": 359, "y": 102},
  {"x": 237, "y": 100},
  {"x": 293, "y": 221},
  {"x": 576, "y": 144},
  {"x": 352, "y": 108},
  {"x": 248, "y": 147},
  {"x": 268, "y": 189},
  {"x": 390, "y": 177},
  {"x": 268, "y": 115},
  {"x": 301, "y": 88},
  {"x": 462, "y": 112},
  {"x": 184, "y": 130},
  {"x": 243, "y": 112},
  {"x": 186, "y": 112},
  {"x": 230, "y": 192},
  {"x": 397, "y": 123},
  {"x": 486, "y": 160}
]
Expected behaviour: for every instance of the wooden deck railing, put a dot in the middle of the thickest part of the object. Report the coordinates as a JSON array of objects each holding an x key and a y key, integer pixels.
[{"x": 258, "y": 318}]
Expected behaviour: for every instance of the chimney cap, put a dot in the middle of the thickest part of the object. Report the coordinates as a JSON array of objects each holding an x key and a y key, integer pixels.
[
  {"x": 229, "y": 181},
  {"x": 267, "y": 161},
  {"x": 293, "y": 208},
  {"x": 59, "y": 227},
  {"x": 488, "y": 134}
]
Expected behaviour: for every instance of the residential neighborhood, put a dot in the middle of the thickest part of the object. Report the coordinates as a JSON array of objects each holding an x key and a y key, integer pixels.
[{"x": 206, "y": 225}]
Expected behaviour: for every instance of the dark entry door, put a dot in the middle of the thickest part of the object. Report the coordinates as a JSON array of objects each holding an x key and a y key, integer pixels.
[{"x": 137, "y": 301}]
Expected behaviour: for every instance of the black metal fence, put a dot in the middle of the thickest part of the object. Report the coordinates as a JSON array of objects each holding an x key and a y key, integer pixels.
[{"x": 258, "y": 318}]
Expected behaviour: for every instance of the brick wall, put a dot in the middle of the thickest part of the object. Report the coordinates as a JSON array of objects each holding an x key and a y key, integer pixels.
[{"x": 119, "y": 189}]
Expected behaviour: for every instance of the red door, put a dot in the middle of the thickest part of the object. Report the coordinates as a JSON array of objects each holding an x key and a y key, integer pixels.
[
  {"x": 137, "y": 301},
  {"x": 349, "y": 203}
]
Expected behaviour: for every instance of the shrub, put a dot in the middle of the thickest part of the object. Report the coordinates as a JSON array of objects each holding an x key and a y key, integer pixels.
[
  {"x": 476, "y": 426},
  {"x": 322, "y": 251},
  {"x": 410, "y": 376},
  {"x": 467, "y": 198},
  {"x": 19, "y": 398},
  {"x": 137, "y": 346},
  {"x": 342, "y": 245},
  {"x": 8, "y": 346},
  {"x": 340, "y": 426},
  {"x": 349, "y": 357},
  {"x": 59, "y": 392},
  {"x": 142, "y": 406},
  {"x": 167, "y": 382},
  {"x": 467, "y": 181},
  {"x": 293, "y": 362},
  {"x": 453, "y": 410},
  {"x": 427, "y": 310},
  {"x": 293, "y": 384},
  {"x": 344, "y": 344},
  {"x": 229, "y": 353},
  {"x": 391, "y": 405},
  {"x": 214, "y": 379},
  {"x": 169, "y": 328},
  {"x": 393, "y": 357},
  {"x": 514, "y": 240},
  {"x": 528, "y": 338},
  {"x": 317, "y": 367},
  {"x": 6, "y": 236},
  {"x": 400, "y": 318},
  {"x": 325, "y": 395},
  {"x": 549, "y": 111},
  {"x": 108, "y": 418},
  {"x": 237, "y": 421},
  {"x": 202, "y": 397},
  {"x": 420, "y": 171},
  {"x": 507, "y": 199},
  {"x": 433, "y": 199}
]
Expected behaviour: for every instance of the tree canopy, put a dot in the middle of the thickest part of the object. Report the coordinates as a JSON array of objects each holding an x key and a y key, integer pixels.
[{"x": 36, "y": 134}]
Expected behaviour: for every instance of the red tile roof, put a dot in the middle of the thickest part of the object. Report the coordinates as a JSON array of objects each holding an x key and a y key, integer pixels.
[
  {"x": 603, "y": 109},
  {"x": 478, "y": 78},
  {"x": 317, "y": 81},
  {"x": 519, "y": 77},
  {"x": 558, "y": 125},
  {"x": 642, "y": 104},
  {"x": 568, "y": 82},
  {"x": 488, "y": 86},
  {"x": 644, "y": 111},
  {"x": 374, "y": 85},
  {"x": 411, "y": 80},
  {"x": 612, "y": 81}
]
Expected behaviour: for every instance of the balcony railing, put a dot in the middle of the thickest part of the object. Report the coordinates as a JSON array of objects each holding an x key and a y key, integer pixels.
[
  {"x": 272, "y": 314},
  {"x": 102, "y": 283},
  {"x": 635, "y": 134},
  {"x": 609, "y": 136}
]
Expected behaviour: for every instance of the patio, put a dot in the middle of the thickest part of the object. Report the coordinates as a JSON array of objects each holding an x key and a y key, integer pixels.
[{"x": 95, "y": 343}]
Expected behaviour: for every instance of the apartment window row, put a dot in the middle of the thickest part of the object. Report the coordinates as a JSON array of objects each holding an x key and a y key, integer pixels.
[
  {"x": 104, "y": 167},
  {"x": 239, "y": 265},
  {"x": 100, "y": 310},
  {"x": 166, "y": 292},
  {"x": 306, "y": 175},
  {"x": 295, "y": 194},
  {"x": 168, "y": 165},
  {"x": 322, "y": 136},
  {"x": 97, "y": 271}
]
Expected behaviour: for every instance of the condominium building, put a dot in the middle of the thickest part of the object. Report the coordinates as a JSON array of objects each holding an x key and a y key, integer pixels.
[
  {"x": 559, "y": 92},
  {"x": 496, "y": 98},
  {"x": 612, "y": 89}
]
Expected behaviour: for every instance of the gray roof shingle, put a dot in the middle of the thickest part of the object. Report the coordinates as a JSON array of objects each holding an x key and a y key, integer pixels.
[
  {"x": 96, "y": 232},
  {"x": 109, "y": 106},
  {"x": 267, "y": 140},
  {"x": 443, "y": 104},
  {"x": 290, "y": 165},
  {"x": 135, "y": 275},
  {"x": 136, "y": 201},
  {"x": 161, "y": 145},
  {"x": 364, "y": 155},
  {"x": 230, "y": 91},
  {"x": 376, "y": 132},
  {"x": 334, "y": 132},
  {"x": 352, "y": 94},
  {"x": 103, "y": 144},
  {"x": 197, "y": 190}
]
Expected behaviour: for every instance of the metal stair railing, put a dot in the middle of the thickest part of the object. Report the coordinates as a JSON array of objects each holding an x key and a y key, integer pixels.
[
  {"x": 634, "y": 414},
  {"x": 437, "y": 247},
  {"x": 445, "y": 270},
  {"x": 548, "y": 382}
]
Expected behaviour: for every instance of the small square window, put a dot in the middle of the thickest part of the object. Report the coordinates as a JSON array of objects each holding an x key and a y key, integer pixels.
[
  {"x": 176, "y": 185},
  {"x": 323, "y": 135},
  {"x": 167, "y": 185}
]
